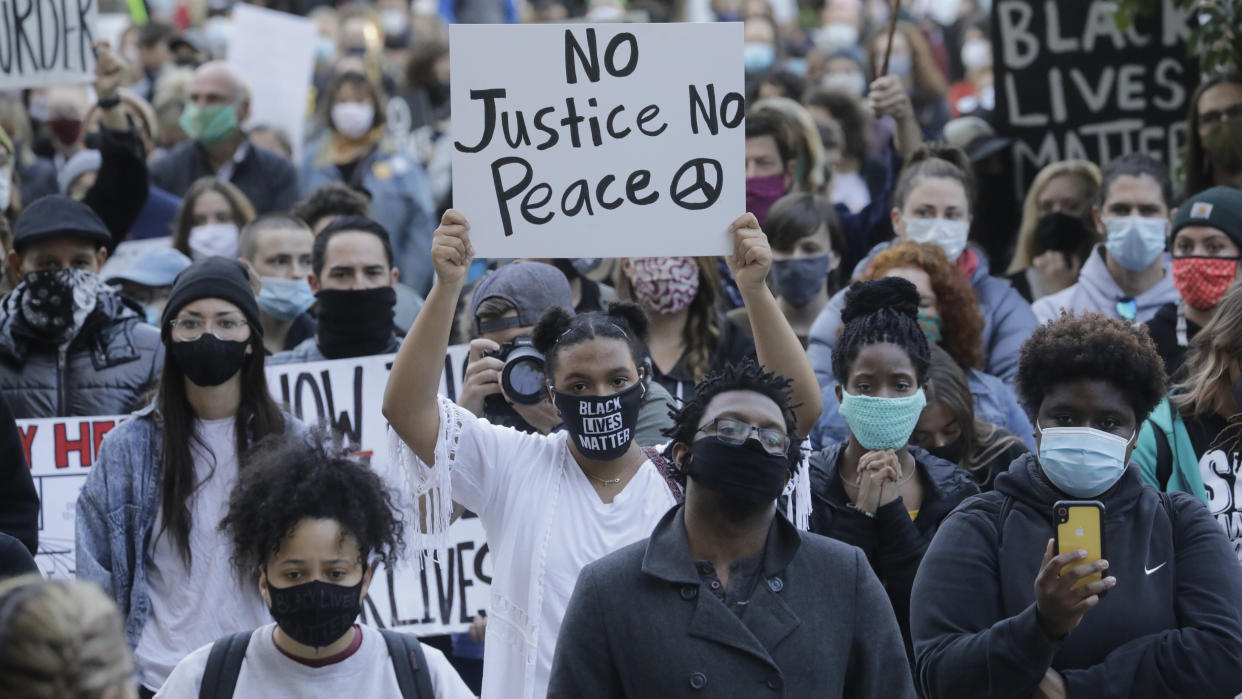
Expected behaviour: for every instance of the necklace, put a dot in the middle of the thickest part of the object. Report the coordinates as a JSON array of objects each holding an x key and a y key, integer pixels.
[
  {"x": 899, "y": 482},
  {"x": 601, "y": 481}
]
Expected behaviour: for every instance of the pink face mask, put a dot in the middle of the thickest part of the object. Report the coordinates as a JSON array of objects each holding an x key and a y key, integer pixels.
[{"x": 665, "y": 285}]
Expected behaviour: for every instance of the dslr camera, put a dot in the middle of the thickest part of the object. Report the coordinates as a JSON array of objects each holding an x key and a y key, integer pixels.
[{"x": 522, "y": 376}]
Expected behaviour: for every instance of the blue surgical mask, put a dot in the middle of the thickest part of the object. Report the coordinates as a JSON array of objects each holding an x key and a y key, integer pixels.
[
  {"x": 1135, "y": 241},
  {"x": 882, "y": 423},
  {"x": 285, "y": 299},
  {"x": 799, "y": 279},
  {"x": 1081, "y": 461},
  {"x": 757, "y": 57}
]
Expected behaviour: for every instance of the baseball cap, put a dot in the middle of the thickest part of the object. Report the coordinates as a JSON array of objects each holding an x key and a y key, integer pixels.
[
  {"x": 153, "y": 266},
  {"x": 531, "y": 287},
  {"x": 975, "y": 136}
]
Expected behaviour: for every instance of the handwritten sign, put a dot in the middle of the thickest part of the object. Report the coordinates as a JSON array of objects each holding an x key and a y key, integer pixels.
[
  {"x": 1072, "y": 85},
  {"x": 46, "y": 42},
  {"x": 440, "y": 598},
  {"x": 276, "y": 53},
  {"x": 598, "y": 140}
]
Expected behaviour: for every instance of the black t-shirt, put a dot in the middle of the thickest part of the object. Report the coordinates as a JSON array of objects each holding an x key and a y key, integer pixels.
[
  {"x": 1221, "y": 471},
  {"x": 1202, "y": 430}
]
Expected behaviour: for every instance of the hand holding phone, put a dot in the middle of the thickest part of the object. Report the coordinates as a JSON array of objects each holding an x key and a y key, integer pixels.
[
  {"x": 1070, "y": 583},
  {"x": 1080, "y": 527}
]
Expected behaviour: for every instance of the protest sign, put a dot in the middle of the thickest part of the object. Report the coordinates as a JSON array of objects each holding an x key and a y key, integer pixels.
[
  {"x": 46, "y": 42},
  {"x": 1071, "y": 85},
  {"x": 276, "y": 53},
  {"x": 598, "y": 140},
  {"x": 439, "y": 598}
]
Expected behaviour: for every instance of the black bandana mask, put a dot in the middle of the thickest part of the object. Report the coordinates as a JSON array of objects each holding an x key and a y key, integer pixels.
[
  {"x": 602, "y": 427},
  {"x": 316, "y": 613},
  {"x": 356, "y": 322},
  {"x": 56, "y": 303}
]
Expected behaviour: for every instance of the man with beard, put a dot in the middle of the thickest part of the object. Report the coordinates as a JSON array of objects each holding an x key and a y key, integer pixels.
[
  {"x": 727, "y": 595},
  {"x": 68, "y": 344}
]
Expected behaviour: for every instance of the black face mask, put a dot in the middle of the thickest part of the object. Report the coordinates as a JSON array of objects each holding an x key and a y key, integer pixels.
[
  {"x": 355, "y": 323},
  {"x": 601, "y": 426},
  {"x": 951, "y": 452},
  {"x": 747, "y": 476},
  {"x": 316, "y": 613},
  {"x": 209, "y": 361}
]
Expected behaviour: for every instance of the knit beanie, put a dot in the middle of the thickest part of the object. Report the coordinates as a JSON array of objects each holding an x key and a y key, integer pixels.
[
  {"x": 213, "y": 278},
  {"x": 1218, "y": 207}
]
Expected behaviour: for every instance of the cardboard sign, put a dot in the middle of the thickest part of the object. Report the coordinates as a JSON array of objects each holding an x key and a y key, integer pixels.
[
  {"x": 1071, "y": 85},
  {"x": 276, "y": 53},
  {"x": 46, "y": 42},
  {"x": 438, "y": 599},
  {"x": 591, "y": 140}
]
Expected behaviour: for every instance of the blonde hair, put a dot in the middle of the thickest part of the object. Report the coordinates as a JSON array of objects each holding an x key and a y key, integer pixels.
[
  {"x": 1024, "y": 250},
  {"x": 1207, "y": 387},
  {"x": 810, "y": 175},
  {"x": 59, "y": 639}
]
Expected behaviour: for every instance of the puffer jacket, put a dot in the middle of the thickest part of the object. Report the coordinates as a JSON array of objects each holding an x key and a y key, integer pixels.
[{"x": 114, "y": 359}]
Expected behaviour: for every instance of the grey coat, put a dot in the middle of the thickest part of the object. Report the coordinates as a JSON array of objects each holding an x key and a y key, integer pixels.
[
  {"x": 641, "y": 624},
  {"x": 105, "y": 370}
]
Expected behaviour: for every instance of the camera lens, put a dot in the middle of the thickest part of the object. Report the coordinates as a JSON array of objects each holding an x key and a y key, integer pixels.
[{"x": 522, "y": 377}]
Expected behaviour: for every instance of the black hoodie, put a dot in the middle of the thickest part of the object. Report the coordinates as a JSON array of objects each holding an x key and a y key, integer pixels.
[{"x": 1170, "y": 628}]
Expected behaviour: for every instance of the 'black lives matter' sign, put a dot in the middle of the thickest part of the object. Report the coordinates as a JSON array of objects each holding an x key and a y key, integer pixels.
[
  {"x": 598, "y": 140},
  {"x": 1071, "y": 84},
  {"x": 46, "y": 42}
]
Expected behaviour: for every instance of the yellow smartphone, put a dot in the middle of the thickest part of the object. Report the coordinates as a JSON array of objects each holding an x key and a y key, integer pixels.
[{"x": 1080, "y": 525}]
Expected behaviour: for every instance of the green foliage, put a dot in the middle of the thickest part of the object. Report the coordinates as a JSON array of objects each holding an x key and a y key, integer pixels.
[{"x": 1215, "y": 29}]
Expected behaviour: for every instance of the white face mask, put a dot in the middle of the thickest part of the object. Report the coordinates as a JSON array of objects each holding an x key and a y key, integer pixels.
[
  {"x": 213, "y": 239},
  {"x": 835, "y": 36},
  {"x": 353, "y": 119},
  {"x": 976, "y": 54},
  {"x": 949, "y": 235},
  {"x": 852, "y": 83}
]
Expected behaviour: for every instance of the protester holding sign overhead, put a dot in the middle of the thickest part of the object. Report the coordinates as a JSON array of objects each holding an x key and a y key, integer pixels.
[
  {"x": 219, "y": 104},
  {"x": 147, "y": 517},
  {"x": 583, "y": 492},
  {"x": 1128, "y": 276},
  {"x": 69, "y": 345}
]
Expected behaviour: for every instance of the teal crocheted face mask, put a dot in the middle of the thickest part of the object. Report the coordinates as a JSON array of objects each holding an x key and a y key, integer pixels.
[{"x": 882, "y": 423}]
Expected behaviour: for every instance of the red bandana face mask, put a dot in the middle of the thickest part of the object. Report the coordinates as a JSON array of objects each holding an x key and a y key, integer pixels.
[{"x": 1202, "y": 281}]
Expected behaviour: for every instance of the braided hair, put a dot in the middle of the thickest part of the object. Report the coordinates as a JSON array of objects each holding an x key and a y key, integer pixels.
[
  {"x": 557, "y": 329},
  {"x": 876, "y": 311}
]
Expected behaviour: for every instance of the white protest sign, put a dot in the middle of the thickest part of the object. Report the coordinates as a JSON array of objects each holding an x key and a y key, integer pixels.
[
  {"x": 46, "y": 42},
  {"x": 598, "y": 140},
  {"x": 441, "y": 598},
  {"x": 276, "y": 53}
]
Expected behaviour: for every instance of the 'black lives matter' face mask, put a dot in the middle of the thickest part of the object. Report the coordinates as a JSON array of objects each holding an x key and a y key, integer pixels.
[
  {"x": 602, "y": 427},
  {"x": 316, "y": 613}
]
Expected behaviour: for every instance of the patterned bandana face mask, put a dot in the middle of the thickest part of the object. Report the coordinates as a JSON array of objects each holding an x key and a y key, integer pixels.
[
  {"x": 665, "y": 285},
  {"x": 55, "y": 303},
  {"x": 1202, "y": 281}
]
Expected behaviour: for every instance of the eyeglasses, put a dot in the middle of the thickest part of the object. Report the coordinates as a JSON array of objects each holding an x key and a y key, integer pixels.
[
  {"x": 736, "y": 432},
  {"x": 1215, "y": 116},
  {"x": 230, "y": 327}
]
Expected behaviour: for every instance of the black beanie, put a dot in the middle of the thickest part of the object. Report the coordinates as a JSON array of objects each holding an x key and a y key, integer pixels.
[{"x": 213, "y": 278}]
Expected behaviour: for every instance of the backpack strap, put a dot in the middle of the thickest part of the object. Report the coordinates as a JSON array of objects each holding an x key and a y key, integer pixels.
[
  {"x": 409, "y": 664},
  {"x": 1164, "y": 458},
  {"x": 668, "y": 470},
  {"x": 223, "y": 666}
]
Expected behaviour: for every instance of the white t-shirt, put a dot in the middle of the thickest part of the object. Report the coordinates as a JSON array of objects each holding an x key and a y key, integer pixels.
[
  {"x": 267, "y": 673},
  {"x": 190, "y": 607},
  {"x": 544, "y": 522}
]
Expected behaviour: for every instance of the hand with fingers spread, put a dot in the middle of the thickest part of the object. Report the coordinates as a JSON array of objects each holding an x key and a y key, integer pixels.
[
  {"x": 451, "y": 252},
  {"x": 482, "y": 376},
  {"x": 1061, "y": 606},
  {"x": 752, "y": 256}
]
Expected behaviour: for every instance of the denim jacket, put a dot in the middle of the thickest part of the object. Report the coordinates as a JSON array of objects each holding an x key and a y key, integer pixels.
[{"x": 116, "y": 513}]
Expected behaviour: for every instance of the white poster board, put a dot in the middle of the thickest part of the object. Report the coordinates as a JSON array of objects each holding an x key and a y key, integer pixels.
[
  {"x": 47, "y": 42},
  {"x": 275, "y": 51},
  {"x": 598, "y": 140},
  {"x": 436, "y": 599}
]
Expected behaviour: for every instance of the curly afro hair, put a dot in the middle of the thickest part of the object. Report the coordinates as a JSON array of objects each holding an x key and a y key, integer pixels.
[
  {"x": 960, "y": 316},
  {"x": 747, "y": 375},
  {"x": 1091, "y": 346},
  {"x": 289, "y": 480}
]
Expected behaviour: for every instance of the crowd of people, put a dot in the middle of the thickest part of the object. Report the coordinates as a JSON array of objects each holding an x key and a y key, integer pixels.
[{"x": 829, "y": 464}]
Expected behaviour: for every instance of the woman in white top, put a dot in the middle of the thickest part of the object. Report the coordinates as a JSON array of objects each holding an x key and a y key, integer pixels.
[
  {"x": 551, "y": 504},
  {"x": 148, "y": 515},
  {"x": 313, "y": 525}
]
